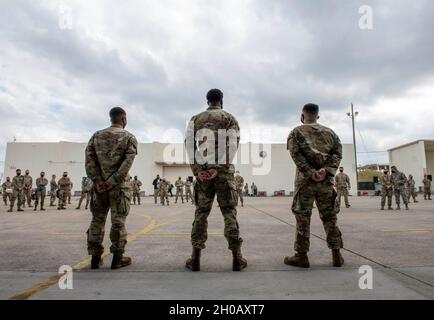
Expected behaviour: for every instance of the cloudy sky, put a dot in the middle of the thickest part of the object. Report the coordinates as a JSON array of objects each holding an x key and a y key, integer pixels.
[{"x": 63, "y": 65}]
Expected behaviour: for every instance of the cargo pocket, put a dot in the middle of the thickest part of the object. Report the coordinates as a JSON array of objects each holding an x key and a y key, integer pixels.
[
  {"x": 124, "y": 201},
  {"x": 232, "y": 194}
]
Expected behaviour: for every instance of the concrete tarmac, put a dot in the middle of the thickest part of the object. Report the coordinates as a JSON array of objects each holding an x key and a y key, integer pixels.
[{"x": 397, "y": 245}]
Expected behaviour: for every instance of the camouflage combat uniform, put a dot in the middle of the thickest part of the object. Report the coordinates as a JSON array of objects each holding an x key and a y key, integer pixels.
[
  {"x": 110, "y": 154},
  {"x": 215, "y": 119},
  {"x": 239, "y": 184},
  {"x": 188, "y": 194},
  {"x": 399, "y": 180},
  {"x": 18, "y": 183},
  {"x": 164, "y": 192},
  {"x": 6, "y": 196},
  {"x": 64, "y": 184},
  {"x": 312, "y": 147},
  {"x": 28, "y": 183},
  {"x": 426, "y": 188},
  {"x": 136, "y": 184},
  {"x": 386, "y": 190},
  {"x": 411, "y": 192},
  {"x": 342, "y": 182},
  {"x": 41, "y": 191},
  {"x": 53, "y": 192},
  {"x": 179, "y": 184},
  {"x": 86, "y": 188},
  {"x": 69, "y": 192}
]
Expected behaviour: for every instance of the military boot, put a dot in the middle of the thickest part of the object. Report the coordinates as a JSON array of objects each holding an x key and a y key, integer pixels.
[
  {"x": 338, "y": 260},
  {"x": 11, "y": 209},
  {"x": 119, "y": 261},
  {"x": 238, "y": 263},
  {"x": 398, "y": 207},
  {"x": 96, "y": 262},
  {"x": 382, "y": 208},
  {"x": 193, "y": 263},
  {"x": 406, "y": 207},
  {"x": 298, "y": 260}
]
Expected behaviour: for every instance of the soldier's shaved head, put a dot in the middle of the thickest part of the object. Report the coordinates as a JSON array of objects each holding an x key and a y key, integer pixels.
[
  {"x": 214, "y": 96},
  {"x": 311, "y": 109},
  {"x": 118, "y": 116}
]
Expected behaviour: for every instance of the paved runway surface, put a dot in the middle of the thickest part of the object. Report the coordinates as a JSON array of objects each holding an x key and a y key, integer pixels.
[{"x": 398, "y": 246}]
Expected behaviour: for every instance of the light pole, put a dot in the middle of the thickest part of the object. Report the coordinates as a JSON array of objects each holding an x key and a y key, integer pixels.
[{"x": 353, "y": 115}]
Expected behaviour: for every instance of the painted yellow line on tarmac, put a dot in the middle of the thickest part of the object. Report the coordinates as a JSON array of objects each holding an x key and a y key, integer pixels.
[
  {"x": 178, "y": 234},
  {"x": 26, "y": 294},
  {"x": 429, "y": 230}
]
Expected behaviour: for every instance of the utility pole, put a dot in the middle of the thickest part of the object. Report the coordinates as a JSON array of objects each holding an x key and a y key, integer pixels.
[{"x": 353, "y": 115}]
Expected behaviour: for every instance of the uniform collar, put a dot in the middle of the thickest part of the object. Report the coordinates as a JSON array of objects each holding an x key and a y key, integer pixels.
[
  {"x": 116, "y": 126},
  {"x": 215, "y": 108}
]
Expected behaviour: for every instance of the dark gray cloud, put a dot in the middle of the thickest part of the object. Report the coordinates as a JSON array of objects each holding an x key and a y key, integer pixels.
[{"x": 159, "y": 58}]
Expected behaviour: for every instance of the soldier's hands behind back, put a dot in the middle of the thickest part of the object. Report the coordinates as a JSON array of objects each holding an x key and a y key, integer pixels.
[
  {"x": 213, "y": 173},
  {"x": 102, "y": 186},
  {"x": 319, "y": 175},
  {"x": 203, "y": 175}
]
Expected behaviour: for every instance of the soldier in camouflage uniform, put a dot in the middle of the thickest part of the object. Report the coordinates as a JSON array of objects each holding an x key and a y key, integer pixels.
[
  {"x": 411, "y": 192},
  {"x": 426, "y": 187},
  {"x": 18, "y": 184},
  {"x": 136, "y": 184},
  {"x": 179, "y": 184},
  {"x": 164, "y": 191},
  {"x": 64, "y": 184},
  {"x": 53, "y": 190},
  {"x": 86, "y": 188},
  {"x": 399, "y": 181},
  {"x": 215, "y": 176},
  {"x": 386, "y": 190},
  {"x": 69, "y": 192},
  {"x": 28, "y": 181},
  {"x": 239, "y": 183},
  {"x": 6, "y": 186},
  {"x": 317, "y": 153},
  {"x": 188, "y": 194},
  {"x": 41, "y": 191},
  {"x": 342, "y": 184},
  {"x": 110, "y": 154}
]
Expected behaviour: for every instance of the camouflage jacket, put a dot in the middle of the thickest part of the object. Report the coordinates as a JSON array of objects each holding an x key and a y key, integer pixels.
[
  {"x": 426, "y": 183},
  {"x": 386, "y": 181},
  {"x": 411, "y": 184},
  {"x": 187, "y": 185},
  {"x": 64, "y": 184},
  {"x": 136, "y": 184},
  {"x": 53, "y": 185},
  {"x": 110, "y": 154},
  {"x": 18, "y": 183},
  {"x": 28, "y": 182},
  {"x": 179, "y": 184},
  {"x": 342, "y": 181},
  {"x": 239, "y": 182},
  {"x": 312, "y": 147},
  {"x": 225, "y": 128},
  {"x": 399, "y": 180},
  {"x": 164, "y": 185},
  {"x": 6, "y": 185}
]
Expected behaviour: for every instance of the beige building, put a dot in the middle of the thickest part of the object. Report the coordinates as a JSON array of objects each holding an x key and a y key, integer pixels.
[
  {"x": 416, "y": 158},
  {"x": 268, "y": 165}
]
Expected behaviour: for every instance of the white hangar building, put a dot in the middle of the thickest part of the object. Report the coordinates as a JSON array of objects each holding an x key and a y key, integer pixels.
[
  {"x": 416, "y": 158},
  {"x": 269, "y": 166}
]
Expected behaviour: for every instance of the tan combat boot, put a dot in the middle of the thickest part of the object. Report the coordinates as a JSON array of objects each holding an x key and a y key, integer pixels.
[
  {"x": 338, "y": 260},
  {"x": 239, "y": 263},
  {"x": 193, "y": 263},
  {"x": 300, "y": 260},
  {"x": 119, "y": 261}
]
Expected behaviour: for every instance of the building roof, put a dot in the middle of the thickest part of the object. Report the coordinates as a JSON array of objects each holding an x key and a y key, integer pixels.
[{"x": 429, "y": 144}]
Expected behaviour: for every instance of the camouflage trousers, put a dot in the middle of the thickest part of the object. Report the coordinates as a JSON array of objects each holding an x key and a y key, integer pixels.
[
  {"x": 180, "y": 193},
  {"x": 205, "y": 192},
  {"x": 240, "y": 196},
  {"x": 427, "y": 193},
  {"x": 117, "y": 201},
  {"x": 6, "y": 197},
  {"x": 136, "y": 196},
  {"x": 68, "y": 196},
  {"x": 342, "y": 192},
  {"x": 411, "y": 193},
  {"x": 188, "y": 195},
  {"x": 27, "y": 197},
  {"x": 84, "y": 194},
  {"x": 325, "y": 197},
  {"x": 63, "y": 197},
  {"x": 386, "y": 193},
  {"x": 400, "y": 193},
  {"x": 40, "y": 198},
  {"x": 18, "y": 195},
  {"x": 164, "y": 197},
  {"x": 156, "y": 195},
  {"x": 52, "y": 198}
]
